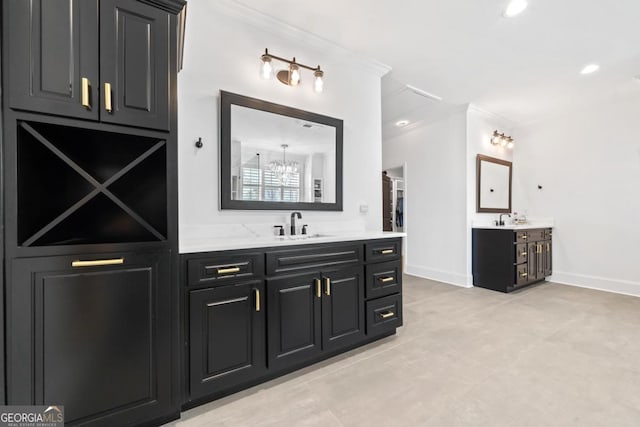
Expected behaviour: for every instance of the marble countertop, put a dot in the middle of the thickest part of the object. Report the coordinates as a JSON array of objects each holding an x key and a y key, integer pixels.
[
  {"x": 208, "y": 244},
  {"x": 527, "y": 226}
]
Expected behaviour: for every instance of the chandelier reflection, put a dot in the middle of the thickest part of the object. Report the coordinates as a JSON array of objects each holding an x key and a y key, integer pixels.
[{"x": 283, "y": 169}]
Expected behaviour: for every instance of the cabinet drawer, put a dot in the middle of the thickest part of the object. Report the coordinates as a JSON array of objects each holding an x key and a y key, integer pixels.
[
  {"x": 547, "y": 234},
  {"x": 522, "y": 275},
  {"x": 384, "y": 314},
  {"x": 383, "y": 279},
  {"x": 383, "y": 250},
  {"x": 521, "y": 253},
  {"x": 535, "y": 235},
  {"x": 314, "y": 258},
  {"x": 220, "y": 269}
]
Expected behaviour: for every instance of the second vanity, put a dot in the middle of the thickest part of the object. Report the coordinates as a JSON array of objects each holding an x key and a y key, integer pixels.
[
  {"x": 259, "y": 309},
  {"x": 506, "y": 258}
]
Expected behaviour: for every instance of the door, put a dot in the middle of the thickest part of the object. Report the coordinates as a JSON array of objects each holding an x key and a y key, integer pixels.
[
  {"x": 342, "y": 308},
  {"x": 53, "y": 49},
  {"x": 387, "y": 204},
  {"x": 94, "y": 338},
  {"x": 227, "y": 336},
  {"x": 547, "y": 249},
  {"x": 134, "y": 64},
  {"x": 293, "y": 319}
]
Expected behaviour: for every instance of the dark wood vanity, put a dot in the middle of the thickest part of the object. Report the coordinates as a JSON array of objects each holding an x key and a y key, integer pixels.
[
  {"x": 508, "y": 259},
  {"x": 255, "y": 314}
]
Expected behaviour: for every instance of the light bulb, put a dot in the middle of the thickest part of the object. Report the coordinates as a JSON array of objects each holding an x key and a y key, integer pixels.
[
  {"x": 516, "y": 7},
  {"x": 318, "y": 84},
  {"x": 510, "y": 144},
  {"x": 294, "y": 75},
  {"x": 503, "y": 141},
  {"x": 266, "y": 69}
]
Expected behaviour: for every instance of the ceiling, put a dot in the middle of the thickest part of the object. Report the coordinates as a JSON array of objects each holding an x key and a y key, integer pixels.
[{"x": 465, "y": 51}]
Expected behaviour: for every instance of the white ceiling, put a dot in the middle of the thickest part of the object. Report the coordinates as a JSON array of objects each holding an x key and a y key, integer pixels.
[{"x": 521, "y": 68}]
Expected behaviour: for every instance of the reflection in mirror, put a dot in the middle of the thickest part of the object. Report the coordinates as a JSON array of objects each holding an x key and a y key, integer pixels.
[
  {"x": 278, "y": 157},
  {"x": 493, "y": 185}
]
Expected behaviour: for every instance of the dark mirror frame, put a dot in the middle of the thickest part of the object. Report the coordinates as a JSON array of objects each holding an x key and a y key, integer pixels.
[
  {"x": 227, "y": 99},
  {"x": 482, "y": 158}
]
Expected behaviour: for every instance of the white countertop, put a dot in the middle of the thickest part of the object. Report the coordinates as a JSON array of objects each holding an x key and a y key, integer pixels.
[
  {"x": 208, "y": 244},
  {"x": 527, "y": 226}
]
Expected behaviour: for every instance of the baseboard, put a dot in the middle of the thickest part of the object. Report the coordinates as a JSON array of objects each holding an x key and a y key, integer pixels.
[
  {"x": 625, "y": 287},
  {"x": 438, "y": 275}
]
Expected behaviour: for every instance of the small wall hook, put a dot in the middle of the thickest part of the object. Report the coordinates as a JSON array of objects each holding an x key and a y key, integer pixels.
[
  {"x": 539, "y": 187},
  {"x": 199, "y": 143}
]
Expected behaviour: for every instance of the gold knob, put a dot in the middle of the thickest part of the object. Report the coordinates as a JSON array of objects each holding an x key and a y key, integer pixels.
[
  {"x": 228, "y": 270},
  {"x": 107, "y": 98},
  {"x": 85, "y": 93},
  {"x": 257, "y": 292},
  {"x": 98, "y": 262}
]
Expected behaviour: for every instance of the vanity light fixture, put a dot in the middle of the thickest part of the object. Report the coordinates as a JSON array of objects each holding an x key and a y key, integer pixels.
[
  {"x": 501, "y": 139},
  {"x": 591, "y": 68},
  {"x": 291, "y": 75}
]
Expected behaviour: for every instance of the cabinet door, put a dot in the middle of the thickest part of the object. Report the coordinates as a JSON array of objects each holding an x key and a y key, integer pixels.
[
  {"x": 342, "y": 308},
  {"x": 134, "y": 61},
  {"x": 548, "y": 264},
  {"x": 293, "y": 319},
  {"x": 227, "y": 337},
  {"x": 96, "y": 339},
  {"x": 53, "y": 46}
]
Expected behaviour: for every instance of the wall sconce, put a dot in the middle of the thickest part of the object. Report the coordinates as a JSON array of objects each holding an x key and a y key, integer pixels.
[
  {"x": 290, "y": 76},
  {"x": 501, "y": 139}
]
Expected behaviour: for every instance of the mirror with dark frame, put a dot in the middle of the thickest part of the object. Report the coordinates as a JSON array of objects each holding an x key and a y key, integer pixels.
[
  {"x": 493, "y": 180},
  {"x": 274, "y": 157}
]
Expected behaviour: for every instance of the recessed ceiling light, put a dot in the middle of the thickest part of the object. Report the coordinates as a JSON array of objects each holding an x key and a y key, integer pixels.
[
  {"x": 516, "y": 7},
  {"x": 402, "y": 123},
  {"x": 591, "y": 68}
]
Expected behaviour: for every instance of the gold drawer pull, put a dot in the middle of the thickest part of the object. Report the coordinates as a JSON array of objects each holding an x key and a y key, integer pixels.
[
  {"x": 524, "y": 237},
  {"x": 524, "y": 274},
  {"x": 98, "y": 262},
  {"x": 386, "y": 251},
  {"x": 228, "y": 270},
  {"x": 107, "y": 98},
  {"x": 387, "y": 314},
  {"x": 85, "y": 93},
  {"x": 257, "y": 299},
  {"x": 385, "y": 279},
  {"x": 523, "y": 254},
  {"x": 318, "y": 288}
]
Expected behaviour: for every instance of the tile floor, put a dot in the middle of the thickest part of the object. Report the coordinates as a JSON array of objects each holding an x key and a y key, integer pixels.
[{"x": 549, "y": 355}]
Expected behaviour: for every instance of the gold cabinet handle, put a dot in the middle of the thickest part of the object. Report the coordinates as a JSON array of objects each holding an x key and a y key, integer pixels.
[
  {"x": 97, "y": 262},
  {"x": 548, "y": 247},
  {"x": 228, "y": 270},
  {"x": 386, "y": 251},
  {"x": 524, "y": 274},
  {"x": 523, "y": 254},
  {"x": 318, "y": 288},
  {"x": 387, "y": 314},
  {"x": 85, "y": 93},
  {"x": 385, "y": 279},
  {"x": 107, "y": 98},
  {"x": 257, "y": 292},
  {"x": 524, "y": 237},
  {"x": 327, "y": 286}
]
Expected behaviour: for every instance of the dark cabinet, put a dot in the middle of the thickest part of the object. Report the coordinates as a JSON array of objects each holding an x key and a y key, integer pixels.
[
  {"x": 311, "y": 313},
  {"x": 92, "y": 334},
  {"x": 505, "y": 260},
  {"x": 102, "y": 60},
  {"x": 227, "y": 336}
]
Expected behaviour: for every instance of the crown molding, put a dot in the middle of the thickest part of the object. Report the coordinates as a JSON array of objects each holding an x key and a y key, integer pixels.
[
  {"x": 268, "y": 23},
  {"x": 473, "y": 107}
]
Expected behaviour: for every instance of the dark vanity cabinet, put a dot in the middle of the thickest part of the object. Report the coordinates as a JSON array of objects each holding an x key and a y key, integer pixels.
[
  {"x": 505, "y": 260},
  {"x": 89, "y": 152},
  {"x": 104, "y": 60},
  {"x": 255, "y": 314}
]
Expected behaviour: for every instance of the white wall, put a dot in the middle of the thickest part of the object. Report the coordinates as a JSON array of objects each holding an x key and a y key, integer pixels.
[
  {"x": 223, "y": 46},
  {"x": 480, "y": 126},
  {"x": 588, "y": 163},
  {"x": 435, "y": 196}
]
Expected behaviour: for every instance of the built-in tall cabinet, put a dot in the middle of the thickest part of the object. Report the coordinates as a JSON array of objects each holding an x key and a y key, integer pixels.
[{"x": 90, "y": 213}]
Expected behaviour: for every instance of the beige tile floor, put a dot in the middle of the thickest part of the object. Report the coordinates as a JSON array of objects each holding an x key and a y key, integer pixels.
[{"x": 549, "y": 355}]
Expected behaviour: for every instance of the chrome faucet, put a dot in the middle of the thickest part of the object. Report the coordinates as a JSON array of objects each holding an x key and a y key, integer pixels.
[
  {"x": 293, "y": 221},
  {"x": 501, "y": 221}
]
